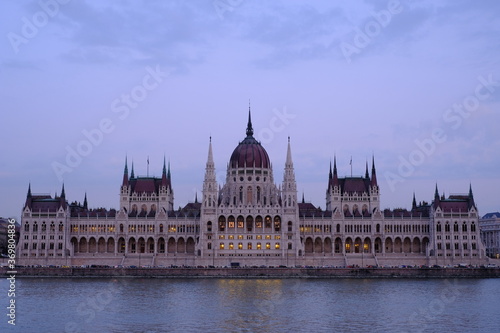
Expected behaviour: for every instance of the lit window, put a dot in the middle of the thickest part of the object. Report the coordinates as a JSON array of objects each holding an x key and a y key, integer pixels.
[
  {"x": 277, "y": 246},
  {"x": 222, "y": 237},
  {"x": 268, "y": 246},
  {"x": 221, "y": 246},
  {"x": 231, "y": 236},
  {"x": 240, "y": 236},
  {"x": 240, "y": 246},
  {"x": 249, "y": 246},
  {"x": 231, "y": 246},
  {"x": 268, "y": 236},
  {"x": 259, "y": 246},
  {"x": 277, "y": 237},
  {"x": 259, "y": 236}
]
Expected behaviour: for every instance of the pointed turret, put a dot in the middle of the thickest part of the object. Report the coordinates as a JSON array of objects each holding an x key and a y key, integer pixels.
[
  {"x": 330, "y": 173},
  {"x": 196, "y": 197},
  {"x": 366, "y": 171},
  {"x": 164, "y": 173},
  {"x": 28, "y": 197},
  {"x": 374, "y": 173},
  {"x": 335, "y": 176},
  {"x": 63, "y": 194},
  {"x": 471, "y": 198},
  {"x": 249, "y": 125},
  {"x": 85, "y": 205},
  {"x": 414, "y": 202},
  {"x": 289, "y": 162},
  {"x": 209, "y": 193},
  {"x": 289, "y": 184},
  {"x": 125, "y": 174},
  {"x": 62, "y": 198},
  {"x": 132, "y": 171},
  {"x": 168, "y": 172},
  {"x": 303, "y": 199}
]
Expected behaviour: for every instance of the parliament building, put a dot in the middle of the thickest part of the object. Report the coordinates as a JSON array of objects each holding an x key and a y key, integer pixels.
[{"x": 250, "y": 221}]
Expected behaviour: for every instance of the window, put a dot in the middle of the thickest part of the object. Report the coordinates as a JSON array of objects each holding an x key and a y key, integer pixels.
[
  {"x": 209, "y": 226},
  {"x": 61, "y": 227},
  {"x": 35, "y": 227},
  {"x": 51, "y": 246},
  {"x": 456, "y": 246},
  {"x": 221, "y": 246},
  {"x": 27, "y": 227},
  {"x": 26, "y": 246},
  {"x": 43, "y": 246},
  {"x": 277, "y": 246},
  {"x": 439, "y": 246},
  {"x": 289, "y": 246},
  {"x": 259, "y": 246},
  {"x": 464, "y": 227},
  {"x": 290, "y": 226},
  {"x": 231, "y": 246},
  {"x": 44, "y": 227},
  {"x": 473, "y": 227},
  {"x": 455, "y": 227},
  {"x": 448, "y": 246},
  {"x": 438, "y": 227},
  {"x": 447, "y": 227},
  {"x": 249, "y": 246},
  {"x": 60, "y": 246},
  {"x": 240, "y": 246},
  {"x": 209, "y": 246},
  {"x": 34, "y": 246},
  {"x": 267, "y": 222},
  {"x": 161, "y": 227},
  {"x": 268, "y": 246}
]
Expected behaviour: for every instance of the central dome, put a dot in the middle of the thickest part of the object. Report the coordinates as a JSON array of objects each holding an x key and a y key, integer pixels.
[{"x": 249, "y": 152}]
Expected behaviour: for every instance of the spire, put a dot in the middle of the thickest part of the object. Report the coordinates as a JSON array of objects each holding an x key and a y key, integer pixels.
[
  {"x": 196, "y": 197},
  {"x": 28, "y": 197},
  {"x": 210, "y": 159},
  {"x": 289, "y": 162},
  {"x": 63, "y": 194},
  {"x": 125, "y": 174},
  {"x": 132, "y": 171},
  {"x": 471, "y": 197},
  {"x": 414, "y": 202},
  {"x": 164, "y": 173},
  {"x": 335, "y": 176},
  {"x": 366, "y": 170},
  {"x": 436, "y": 193},
  {"x": 29, "y": 190},
  {"x": 374, "y": 173},
  {"x": 303, "y": 200},
  {"x": 168, "y": 171},
  {"x": 330, "y": 173},
  {"x": 249, "y": 125},
  {"x": 85, "y": 206}
]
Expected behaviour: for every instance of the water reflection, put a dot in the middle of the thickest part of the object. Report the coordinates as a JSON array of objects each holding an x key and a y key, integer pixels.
[{"x": 254, "y": 305}]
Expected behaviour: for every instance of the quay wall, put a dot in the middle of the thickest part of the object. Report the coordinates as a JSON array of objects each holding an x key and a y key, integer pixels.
[{"x": 242, "y": 272}]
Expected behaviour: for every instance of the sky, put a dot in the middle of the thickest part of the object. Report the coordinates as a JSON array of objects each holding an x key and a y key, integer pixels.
[{"x": 414, "y": 84}]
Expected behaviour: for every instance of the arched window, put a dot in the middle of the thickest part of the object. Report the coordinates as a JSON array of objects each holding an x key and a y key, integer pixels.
[
  {"x": 258, "y": 194},
  {"x": 447, "y": 227},
  {"x": 378, "y": 228},
  {"x": 338, "y": 227},
  {"x": 290, "y": 226},
  {"x": 438, "y": 227},
  {"x": 52, "y": 226},
  {"x": 161, "y": 227},
  {"x": 464, "y": 227},
  {"x": 209, "y": 226},
  {"x": 249, "y": 195},
  {"x": 473, "y": 227},
  {"x": 35, "y": 227},
  {"x": 277, "y": 223},
  {"x": 241, "y": 194},
  {"x": 44, "y": 227},
  {"x": 455, "y": 227},
  {"x": 121, "y": 227},
  {"x": 222, "y": 223},
  {"x": 27, "y": 227},
  {"x": 61, "y": 227}
]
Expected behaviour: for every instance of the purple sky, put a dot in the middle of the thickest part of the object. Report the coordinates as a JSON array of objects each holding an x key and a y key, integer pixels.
[{"x": 416, "y": 83}]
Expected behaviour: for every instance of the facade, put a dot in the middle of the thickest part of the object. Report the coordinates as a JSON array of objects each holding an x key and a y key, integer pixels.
[
  {"x": 490, "y": 234},
  {"x": 251, "y": 221}
]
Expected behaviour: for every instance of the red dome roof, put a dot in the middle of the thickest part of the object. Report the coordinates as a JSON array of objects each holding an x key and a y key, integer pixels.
[{"x": 250, "y": 152}]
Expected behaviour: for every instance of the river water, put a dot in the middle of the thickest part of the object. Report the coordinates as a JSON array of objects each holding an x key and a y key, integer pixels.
[{"x": 252, "y": 305}]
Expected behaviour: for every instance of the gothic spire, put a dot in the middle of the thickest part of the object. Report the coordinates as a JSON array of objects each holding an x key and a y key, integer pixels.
[
  {"x": 366, "y": 170},
  {"x": 330, "y": 173},
  {"x": 249, "y": 125},
  {"x": 85, "y": 206},
  {"x": 125, "y": 173},
  {"x": 63, "y": 194},
  {"x": 289, "y": 162},
  {"x": 29, "y": 190},
  {"x": 414, "y": 202},
  {"x": 335, "y": 176},
  {"x": 374, "y": 173},
  {"x": 168, "y": 171},
  {"x": 132, "y": 171},
  {"x": 164, "y": 173},
  {"x": 471, "y": 197}
]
